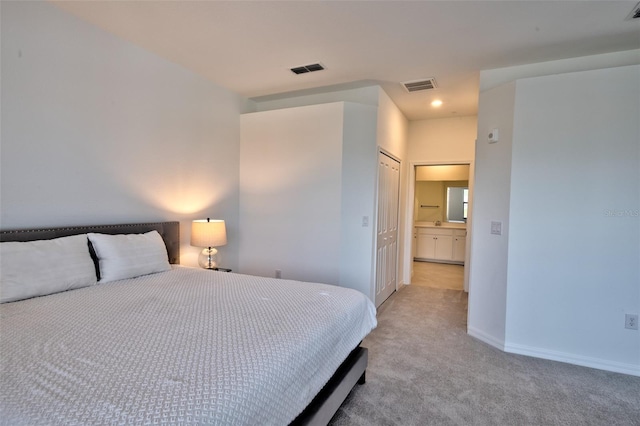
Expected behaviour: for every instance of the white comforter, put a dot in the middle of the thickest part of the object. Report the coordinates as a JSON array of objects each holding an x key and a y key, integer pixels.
[{"x": 187, "y": 346}]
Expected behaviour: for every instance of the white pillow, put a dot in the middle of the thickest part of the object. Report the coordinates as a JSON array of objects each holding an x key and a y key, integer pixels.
[
  {"x": 129, "y": 255},
  {"x": 38, "y": 268}
]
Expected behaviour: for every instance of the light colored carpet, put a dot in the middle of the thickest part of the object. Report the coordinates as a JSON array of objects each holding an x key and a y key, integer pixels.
[{"x": 425, "y": 370}]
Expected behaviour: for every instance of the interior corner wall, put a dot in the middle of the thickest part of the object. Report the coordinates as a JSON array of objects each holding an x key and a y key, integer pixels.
[
  {"x": 359, "y": 168},
  {"x": 574, "y": 234},
  {"x": 392, "y": 127},
  {"x": 290, "y": 192},
  {"x": 390, "y": 134},
  {"x": 98, "y": 130},
  {"x": 489, "y": 252},
  {"x": 496, "y": 77}
]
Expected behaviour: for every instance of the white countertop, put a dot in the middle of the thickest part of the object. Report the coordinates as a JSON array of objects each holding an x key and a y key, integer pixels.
[{"x": 444, "y": 225}]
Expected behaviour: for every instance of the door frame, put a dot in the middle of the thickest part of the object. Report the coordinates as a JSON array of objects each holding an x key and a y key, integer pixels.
[
  {"x": 407, "y": 262},
  {"x": 374, "y": 261}
]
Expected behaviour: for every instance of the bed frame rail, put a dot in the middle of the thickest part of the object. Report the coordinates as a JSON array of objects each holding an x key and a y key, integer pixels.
[{"x": 324, "y": 406}]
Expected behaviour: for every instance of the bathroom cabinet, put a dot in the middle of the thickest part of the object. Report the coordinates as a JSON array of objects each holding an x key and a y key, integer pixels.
[
  {"x": 459, "y": 245},
  {"x": 440, "y": 244}
]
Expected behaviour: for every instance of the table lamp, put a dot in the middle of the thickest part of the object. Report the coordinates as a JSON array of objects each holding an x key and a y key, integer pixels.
[{"x": 209, "y": 234}]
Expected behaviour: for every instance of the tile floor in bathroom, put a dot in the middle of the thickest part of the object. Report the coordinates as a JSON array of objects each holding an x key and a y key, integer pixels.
[{"x": 438, "y": 275}]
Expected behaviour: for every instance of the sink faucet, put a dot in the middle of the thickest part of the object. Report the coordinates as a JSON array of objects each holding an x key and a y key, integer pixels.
[{"x": 438, "y": 223}]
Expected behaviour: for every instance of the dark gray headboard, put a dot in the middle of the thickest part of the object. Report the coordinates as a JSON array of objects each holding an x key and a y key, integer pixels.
[{"x": 170, "y": 232}]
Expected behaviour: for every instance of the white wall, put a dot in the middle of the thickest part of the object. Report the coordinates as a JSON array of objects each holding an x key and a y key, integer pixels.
[
  {"x": 443, "y": 172},
  {"x": 439, "y": 141},
  {"x": 392, "y": 127},
  {"x": 307, "y": 177},
  {"x": 359, "y": 168},
  {"x": 390, "y": 135},
  {"x": 97, "y": 130},
  {"x": 290, "y": 196},
  {"x": 574, "y": 267},
  {"x": 442, "y": 140},
  {"x": 488, "y": 266},
  {"x": 564, "y": 178}
]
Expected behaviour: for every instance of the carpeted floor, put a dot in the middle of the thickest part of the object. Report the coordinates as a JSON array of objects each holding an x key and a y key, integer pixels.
[{"x": 425, "y": 370}]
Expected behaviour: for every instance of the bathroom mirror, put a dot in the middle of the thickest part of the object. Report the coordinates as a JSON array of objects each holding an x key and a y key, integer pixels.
[{"x": 457, "y": 204}]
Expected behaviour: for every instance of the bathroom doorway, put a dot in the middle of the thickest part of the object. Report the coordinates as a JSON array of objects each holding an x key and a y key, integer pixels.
[{"x": 441, "y": 216}]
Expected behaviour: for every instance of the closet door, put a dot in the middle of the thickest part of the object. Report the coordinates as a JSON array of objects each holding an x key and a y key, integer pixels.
[{"x": 387, "y": 227}]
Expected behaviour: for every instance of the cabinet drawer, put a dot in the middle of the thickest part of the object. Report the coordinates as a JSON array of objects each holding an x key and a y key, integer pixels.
[
  {"x": 434, "y": 231},
  {"x": 460, "y": 232}
]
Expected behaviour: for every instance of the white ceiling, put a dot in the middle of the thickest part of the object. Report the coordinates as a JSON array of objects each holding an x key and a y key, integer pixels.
[{"x": 249, "y": 46}]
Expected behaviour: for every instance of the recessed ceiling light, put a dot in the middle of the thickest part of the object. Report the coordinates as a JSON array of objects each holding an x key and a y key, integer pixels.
[{"x": 437, "y": 103}]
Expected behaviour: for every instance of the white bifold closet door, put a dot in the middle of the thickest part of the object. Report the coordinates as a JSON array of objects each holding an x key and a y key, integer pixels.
[{"x": 387, "y": 223}]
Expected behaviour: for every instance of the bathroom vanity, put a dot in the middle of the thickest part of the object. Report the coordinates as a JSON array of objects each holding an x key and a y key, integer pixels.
[{"x": 444, "y": 243}]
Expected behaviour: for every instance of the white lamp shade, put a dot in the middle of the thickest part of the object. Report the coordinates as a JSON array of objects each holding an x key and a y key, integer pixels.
[{"x": 208, "y": 233}]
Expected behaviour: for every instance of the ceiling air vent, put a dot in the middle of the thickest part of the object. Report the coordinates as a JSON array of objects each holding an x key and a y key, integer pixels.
[
  {"x": 307, "y": 68},
  {"x": 635, "y": 12},
  {"x": 417, "y": 85}
]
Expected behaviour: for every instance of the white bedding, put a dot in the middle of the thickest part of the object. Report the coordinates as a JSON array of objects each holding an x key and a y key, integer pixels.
[{"x": 187, "y": 346}]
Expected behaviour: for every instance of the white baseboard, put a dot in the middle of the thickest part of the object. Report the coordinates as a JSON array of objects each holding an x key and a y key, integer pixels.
[
  {"x": 600, "y": 364},
  {"x": 490, "y": 340}
]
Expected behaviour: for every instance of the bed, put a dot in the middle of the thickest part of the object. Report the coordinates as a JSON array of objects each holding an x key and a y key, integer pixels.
[{"x": 176, "y": 345}]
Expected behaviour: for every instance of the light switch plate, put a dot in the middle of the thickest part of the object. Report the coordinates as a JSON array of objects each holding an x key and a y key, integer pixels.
[
  {"x": 631, "y": 321},
  {"x": 496, "y": 227}
]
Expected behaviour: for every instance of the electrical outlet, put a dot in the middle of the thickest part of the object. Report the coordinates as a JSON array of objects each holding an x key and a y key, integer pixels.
[
  {"x": 278, "y": 273},
  {"x": 631, "y": 321}
]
